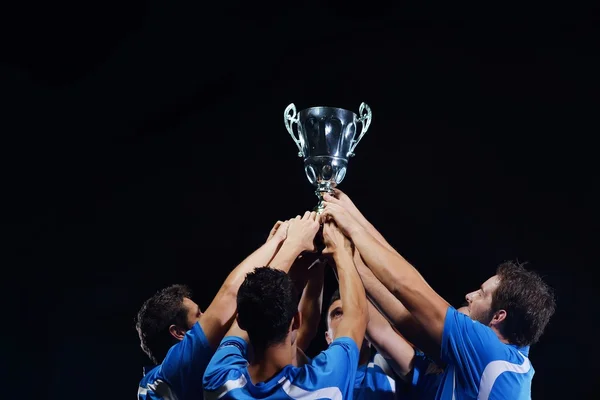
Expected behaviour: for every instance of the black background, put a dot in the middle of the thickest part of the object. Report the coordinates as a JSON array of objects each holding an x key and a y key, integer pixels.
[{"x": 143, "y": 145}]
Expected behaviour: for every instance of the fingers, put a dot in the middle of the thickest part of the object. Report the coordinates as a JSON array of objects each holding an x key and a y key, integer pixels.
[
  {"x": 330, "y": 198},
  {"x": 306, "y": 215}
]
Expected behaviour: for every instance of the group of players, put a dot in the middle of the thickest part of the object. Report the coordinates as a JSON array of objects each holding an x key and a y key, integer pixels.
[{"x": 389, "y": 334}]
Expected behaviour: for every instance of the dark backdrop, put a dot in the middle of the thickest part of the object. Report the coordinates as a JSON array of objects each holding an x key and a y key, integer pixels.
[{"x": 143, "y": 145}]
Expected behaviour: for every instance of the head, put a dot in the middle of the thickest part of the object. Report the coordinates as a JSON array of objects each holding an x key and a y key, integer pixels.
[
  {"x": 164, "y": 319},
  {"x": 515, "y": 302},
  {"x": 335, "y": 314},
  {"x": 267, "y": 304}
]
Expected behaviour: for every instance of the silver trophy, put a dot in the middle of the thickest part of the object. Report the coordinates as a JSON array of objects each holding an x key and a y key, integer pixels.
[{"x": 326, "y": 138}]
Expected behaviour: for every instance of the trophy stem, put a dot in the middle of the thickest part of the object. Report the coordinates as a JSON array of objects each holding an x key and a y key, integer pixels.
[{"x": 322, "y": 188}]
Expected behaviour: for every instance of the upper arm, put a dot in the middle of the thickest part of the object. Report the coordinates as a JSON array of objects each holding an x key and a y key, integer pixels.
[
  {"x": 427, "y": 307},
  {"x": 219, "y": 315},
  {"x": 334, "y": 367},
  {"x": 310, "y": 306},
  {"x": 231, "y": 355},
  {"x": 188, "y": 358}
]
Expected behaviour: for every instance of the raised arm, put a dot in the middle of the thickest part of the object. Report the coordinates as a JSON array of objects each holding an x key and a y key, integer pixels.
[
  {"x": 393, "y": 310},
  {"x": 217, "y": 318},
  {"x": 346, "y": 202},
  {"x": 398, "y": 276},
  {"x": 300, "y": 238},
  {"x": 391, "y": 345},
  {"x": 388, "y": 342},
  {"x": 310, "y": 306},
  {"x": 352, "y": 291}
]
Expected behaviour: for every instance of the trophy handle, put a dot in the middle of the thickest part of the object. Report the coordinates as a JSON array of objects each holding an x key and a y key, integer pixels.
[
  {"x": 290, "y": 116},
  {"x": 365, "y": 119}
]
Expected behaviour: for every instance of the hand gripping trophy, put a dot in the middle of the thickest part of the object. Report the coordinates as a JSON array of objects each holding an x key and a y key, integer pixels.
[{"x": 326, "y": 138}]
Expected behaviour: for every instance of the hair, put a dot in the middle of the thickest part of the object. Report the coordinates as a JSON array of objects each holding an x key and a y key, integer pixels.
[
  {"x": 267, "y": 301},
  {"x": 155, "y": 317},
  {"x": 528, "y": 301},
  {"x": 334, "y": 297}
]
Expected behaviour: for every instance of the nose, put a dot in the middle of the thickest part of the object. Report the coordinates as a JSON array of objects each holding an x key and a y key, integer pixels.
[{"x": 469, "y": 297}]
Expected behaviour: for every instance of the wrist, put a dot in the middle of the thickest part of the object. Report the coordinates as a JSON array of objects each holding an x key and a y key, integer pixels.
[
  {"x": 355, "y": 230},
  {"x": 294, "y": 245},
  {"x": 342, "y": 253}
]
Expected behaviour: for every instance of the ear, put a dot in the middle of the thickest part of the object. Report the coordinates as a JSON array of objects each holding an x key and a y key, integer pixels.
[
  {"x": 177, "y": 332},
  {"x": 328, "y": 337},
  {"x": 498, "y": 317},
  {"x": 237, "y": 319},
  {"x": 296, "y": 321}
]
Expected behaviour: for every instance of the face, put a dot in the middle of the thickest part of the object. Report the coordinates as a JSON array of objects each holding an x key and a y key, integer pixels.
[
  {"x": 479, "y": 302},
  {"x": 193, "y": 312},
  {"x": 334, "y": 317}
]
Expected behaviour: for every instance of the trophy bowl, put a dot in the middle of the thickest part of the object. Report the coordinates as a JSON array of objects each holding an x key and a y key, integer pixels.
[{"x": 326, "y": 138}]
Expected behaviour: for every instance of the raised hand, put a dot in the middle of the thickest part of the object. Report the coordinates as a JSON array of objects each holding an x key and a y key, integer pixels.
[
  {"x": 343, "y": 200},
  {"x": 334, "y": 239},
  {"x": 303, "y": 230},
  {"x": 342, "y": 218},
  {"x": 279, "y": 231}
]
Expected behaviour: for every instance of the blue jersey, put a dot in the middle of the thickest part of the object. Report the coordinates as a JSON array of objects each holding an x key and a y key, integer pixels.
[
  {"x": 425, "y": 379},
  {"x": 479, "y": 366},
  {"x": 180, "y": 374},
  {"x": 330, "y": 375},
  {"x": 374, "y": 380}
]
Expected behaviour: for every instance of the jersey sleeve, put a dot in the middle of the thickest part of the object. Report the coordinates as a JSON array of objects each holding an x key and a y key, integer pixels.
[
  {"x": 231, "y": 355},
  {"x": 467, "y": 345},
  {"x": 426, "y": 376},
  {"x": 188, "y": 359},
  {"x": 332, "y": 370}
]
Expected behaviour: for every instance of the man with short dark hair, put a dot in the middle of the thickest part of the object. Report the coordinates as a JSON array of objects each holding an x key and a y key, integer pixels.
[
  {"x": 485, "y": 356},
  {"x": 268, "y": 313}
]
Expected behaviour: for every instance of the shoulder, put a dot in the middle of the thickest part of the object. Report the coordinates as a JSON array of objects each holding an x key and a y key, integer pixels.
[
  {"x": 151, "y": 374},
  {"x": 228, "y": 379},
  {"x": 510, "y": 372},
  {"x": 461, "y": 331}
]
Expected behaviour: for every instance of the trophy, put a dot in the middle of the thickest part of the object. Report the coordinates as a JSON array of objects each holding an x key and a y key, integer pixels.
[{"x": 326, "y": 138}]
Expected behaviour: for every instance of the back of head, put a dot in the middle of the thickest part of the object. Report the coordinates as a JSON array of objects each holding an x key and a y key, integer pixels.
[
  {"x": 267, "y": 302},
  {"x": 155, "y": 317},
  {"x": 528, "y": 301}
]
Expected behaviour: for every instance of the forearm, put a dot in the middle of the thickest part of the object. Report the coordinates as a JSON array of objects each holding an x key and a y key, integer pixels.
[
  {"x": 385, "y": 301},
  {"x": 259, "y": 258},
  {"x": 370, "y": 228},
  {"x": 285, "y": 257},
  {"x": 310, "y": 306},
  {"x": 352, "y": 291},
  {"x": 403, "y": 281},
  {"x": 388, "y": 343}
]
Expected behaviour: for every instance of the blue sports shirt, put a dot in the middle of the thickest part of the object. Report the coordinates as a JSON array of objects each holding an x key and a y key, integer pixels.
[
  {"x": 375, "y": 380},
  {"x": 479, "y": 366},
  {"x": 179, "y": 376},
  {"x": 329, "y": 376}
]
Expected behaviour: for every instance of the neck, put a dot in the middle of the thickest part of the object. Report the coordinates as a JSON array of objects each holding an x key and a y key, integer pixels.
[
  {"x": 502, "y": 338},
  {"x": 267, "y": 363}
]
